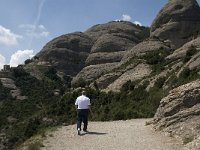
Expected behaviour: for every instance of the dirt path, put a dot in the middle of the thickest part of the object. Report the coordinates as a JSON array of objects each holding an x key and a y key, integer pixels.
[{"x": 116, "y": 135}]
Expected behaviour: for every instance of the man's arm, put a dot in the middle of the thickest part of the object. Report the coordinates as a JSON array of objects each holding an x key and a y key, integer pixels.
[
  {"x": 89, "y": 107},
  {"x": 76, "y": 104}
]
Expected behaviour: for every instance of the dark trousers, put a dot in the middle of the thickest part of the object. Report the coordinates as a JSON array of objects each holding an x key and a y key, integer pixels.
[{"x": 82, "y": 116}]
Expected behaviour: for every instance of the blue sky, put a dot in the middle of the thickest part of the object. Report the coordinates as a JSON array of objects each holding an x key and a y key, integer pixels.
[{"x": 27, "y": 25}]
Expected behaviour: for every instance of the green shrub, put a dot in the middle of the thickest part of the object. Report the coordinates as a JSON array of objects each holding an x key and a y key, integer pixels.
[
  {"x": 185, "y": 73},
  {"x": 20, "y": 72},
  {"x": 188, "y": 139},
  {"x": 35, "y": 146},
  {"x": 190, "y": 52},
  {"x": 128, "y": 86},
  {"x": 51, "y": 73},
  {"x": 172, "y": 81},
  {"x": 185, "y": 76},
  {"x": 80, "y": 83},
  {"x": 32, "y": 126},
  {"x": 156, "y": 57},
  {"x": 27, "y": 61},
  {"x": 160, "y": 82},
  {"x": 67, "y": 81}
]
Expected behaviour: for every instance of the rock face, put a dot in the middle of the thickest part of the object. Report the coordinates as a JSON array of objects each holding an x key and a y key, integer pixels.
[
  {"x": 111, "y": 41},
  {"x": 177, "y": 22},
  {"x": 67, "y": 52},
  {"x": 122, "y": 29},
  {"x": 136, "y": 73},
  {"x": 179, "y": 113},
  {"x": 105, "y": 53},
  {"x": 181, "y": 52},
  {"x": 92, "y": 72},
  {"x": 104, "y": 57},
  {"x": 14, "y": 91},
  {"x": 8, "y": 83},
  {"x": 103, "y": 43},
  {"x": 144, "y": 47},
  {"x": 188, "y": 55}
]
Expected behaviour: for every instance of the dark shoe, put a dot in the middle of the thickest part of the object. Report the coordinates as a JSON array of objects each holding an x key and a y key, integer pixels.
[
  {"x": 85, "y": 130},
  {"x": 79, "y": 131}
]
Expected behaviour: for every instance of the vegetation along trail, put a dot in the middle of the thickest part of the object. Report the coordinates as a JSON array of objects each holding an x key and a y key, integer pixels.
[{"x": 117, "y": 135}]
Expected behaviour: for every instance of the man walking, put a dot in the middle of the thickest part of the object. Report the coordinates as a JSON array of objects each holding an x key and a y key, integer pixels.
[{"x": 82, "y": 105}]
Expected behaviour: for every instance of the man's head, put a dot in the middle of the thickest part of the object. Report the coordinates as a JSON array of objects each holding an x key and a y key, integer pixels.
[{"x": 83, "y": 92}]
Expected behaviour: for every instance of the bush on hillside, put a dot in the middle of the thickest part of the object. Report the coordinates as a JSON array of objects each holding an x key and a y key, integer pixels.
[
  {"x": 156, "y": 57},
  {"x": 19, "y": 72},
  {"x": 80, "y": 83},
  {"x": 27, "y": 61},
  {"x": 129, "y": 85},
  {"x": 51, "y": 73},
  {"x": 160, "y": 82},
  {"x": 190, "y": 52}
]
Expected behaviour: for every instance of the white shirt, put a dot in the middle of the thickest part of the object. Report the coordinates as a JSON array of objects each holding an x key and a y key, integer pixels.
[{"x": 83, "y": 102}]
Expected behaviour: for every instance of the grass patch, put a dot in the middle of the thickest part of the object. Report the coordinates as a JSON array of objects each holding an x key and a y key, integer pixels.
[
  {"x": 35, "y": 146},
  {"x": 188, "y": 139}
]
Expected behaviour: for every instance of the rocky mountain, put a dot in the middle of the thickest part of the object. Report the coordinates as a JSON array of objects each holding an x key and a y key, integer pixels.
[
  {"x": 177, "y": 22},
  {"x": 126, "y": 69},
  {"x": 67, "y": 52},
  {"x": 179, "y": 114},
  {"x": 112, "y": 51},
  {"x": 100, "y": 44}
]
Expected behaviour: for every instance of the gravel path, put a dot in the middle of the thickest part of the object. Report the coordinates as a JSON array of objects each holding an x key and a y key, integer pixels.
[{"x": 116, "y": 135}]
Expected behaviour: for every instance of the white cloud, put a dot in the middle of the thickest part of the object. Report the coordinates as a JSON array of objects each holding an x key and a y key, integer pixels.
[
  {"x": 126, "y": 17},
  {"x": 2, "y": 61},
  {"x": 20, "y": 56},
  {"x": 34, "y": 31},
  {"x": 7, "y": 37},
  {"x": 45, "y": 34},
  {"x": 137, "y": 23},
  {"x": 41, "y": 27}
]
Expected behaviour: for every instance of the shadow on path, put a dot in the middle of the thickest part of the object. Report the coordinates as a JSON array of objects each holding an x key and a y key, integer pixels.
[{"x": 92, "y": 133}]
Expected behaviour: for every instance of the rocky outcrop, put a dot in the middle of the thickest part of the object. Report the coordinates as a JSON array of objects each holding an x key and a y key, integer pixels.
[
  {"x": 178, "y": 22},
  {"x": 104, "y": 57},
  {"x": 112, "y": 38},
  {"x": 136, "y": 73},
  {"x": 8, "y": 83},
  {"x": 122, "y": 29},
  {"x": 144, "y": 47},
  {"x": 90, "y": 55},
  {"x": 181, "y": 52},
  {"x": 104, "y": 81},
  {"x": 179, "y": 113},
  {"x": 101, "y": 44},
  {"x": 67, "y": 52},
  {"x": 194, "y": 63},
  {"x": 111, "y": 41},
  {"x": 188, "y": 54},
  {"x": 92, "y": 72},
  {"x": 14, "y": 91}
]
